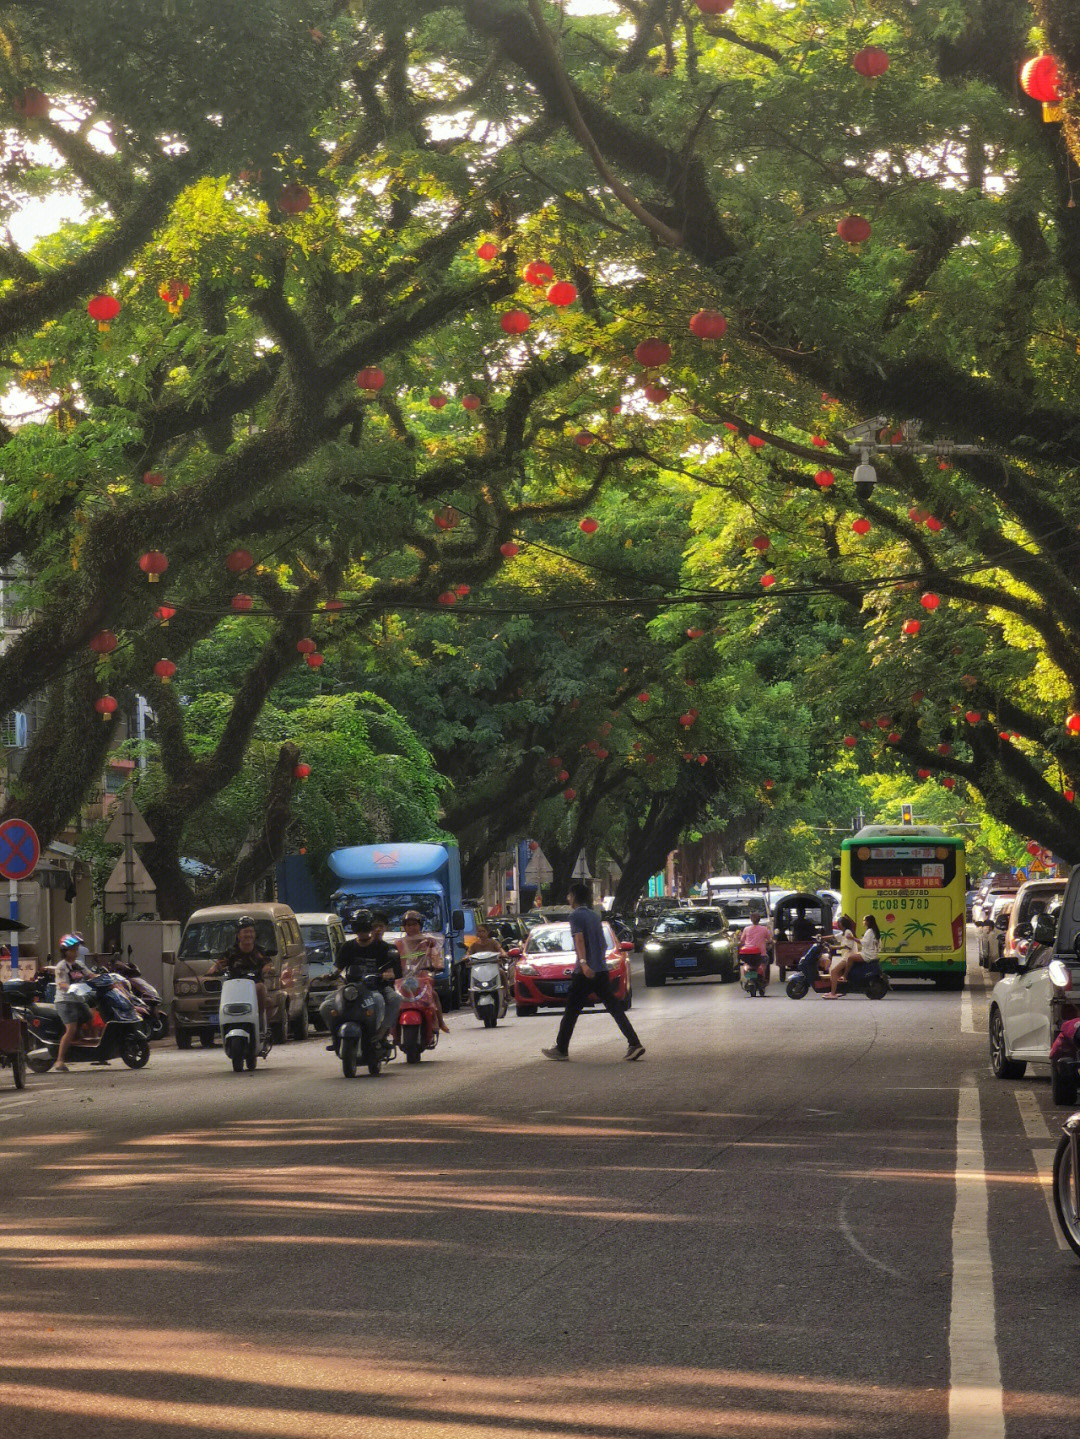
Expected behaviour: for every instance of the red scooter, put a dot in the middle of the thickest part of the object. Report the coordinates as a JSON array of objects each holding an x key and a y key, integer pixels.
[{"x": 417, "y": 1025}]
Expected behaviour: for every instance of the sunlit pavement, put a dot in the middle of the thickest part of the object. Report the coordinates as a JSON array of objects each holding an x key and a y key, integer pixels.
[{"x": 747, "y": 1233}]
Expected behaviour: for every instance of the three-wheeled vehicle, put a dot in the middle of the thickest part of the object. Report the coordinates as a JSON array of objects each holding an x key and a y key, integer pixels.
[{"x": 799, "y": 920}]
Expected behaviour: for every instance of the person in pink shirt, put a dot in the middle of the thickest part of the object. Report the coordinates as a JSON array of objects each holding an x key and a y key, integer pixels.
[{"x": 756, "y": 938}]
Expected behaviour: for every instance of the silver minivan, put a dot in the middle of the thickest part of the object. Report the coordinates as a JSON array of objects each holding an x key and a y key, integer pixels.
[{"x": 323, "y": 936}]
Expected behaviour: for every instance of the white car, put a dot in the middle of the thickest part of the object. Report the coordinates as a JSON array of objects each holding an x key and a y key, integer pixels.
[{"x": 1026, "y": 1010}]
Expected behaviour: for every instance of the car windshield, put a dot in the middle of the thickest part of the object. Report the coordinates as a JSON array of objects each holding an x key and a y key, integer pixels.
[
  {"x": 393, "y": 906},
  {"x": 557, "y": 939},
  {"x": 207, "y": 938},
  {"x": 691, "y": 921},
  {"x": 315, "y": 936},
  {"x": 741, "y": 909},
  {"x": 649, "y": 908}
]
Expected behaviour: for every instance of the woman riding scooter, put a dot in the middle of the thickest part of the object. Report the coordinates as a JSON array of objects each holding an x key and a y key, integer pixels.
[
  {"x": 420, "y": 954},
  {"x": 755, "y": 948}
]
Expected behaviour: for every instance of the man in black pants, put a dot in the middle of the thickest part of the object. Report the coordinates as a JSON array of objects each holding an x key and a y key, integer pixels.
[{"x": 590, "y": 976}]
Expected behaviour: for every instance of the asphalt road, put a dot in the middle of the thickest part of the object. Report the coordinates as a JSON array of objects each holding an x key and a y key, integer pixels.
[{"x": 791, "y": 1219}]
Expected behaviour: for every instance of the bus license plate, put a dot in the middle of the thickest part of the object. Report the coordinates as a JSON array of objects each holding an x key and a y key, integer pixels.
[{"x": 686, "y": 962}]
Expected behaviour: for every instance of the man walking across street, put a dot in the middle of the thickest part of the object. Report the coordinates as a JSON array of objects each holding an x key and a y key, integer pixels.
[{"x": 590, "y": 976}]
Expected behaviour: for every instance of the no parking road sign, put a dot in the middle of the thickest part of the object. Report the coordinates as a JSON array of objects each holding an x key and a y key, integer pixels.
[{"x": 19, "y": 849}]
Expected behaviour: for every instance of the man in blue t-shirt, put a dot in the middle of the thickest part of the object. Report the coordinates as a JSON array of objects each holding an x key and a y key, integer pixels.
[{"x": 590, "y": 976}]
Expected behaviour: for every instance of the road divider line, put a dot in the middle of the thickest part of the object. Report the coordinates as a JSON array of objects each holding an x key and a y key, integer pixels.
[
  {"x": 1044, "y": 1164},
  {"x": 976, "y": 1408},
  {"x": 1031, "y": 1116}
]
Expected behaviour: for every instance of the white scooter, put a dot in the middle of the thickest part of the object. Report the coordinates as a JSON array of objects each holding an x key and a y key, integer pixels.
[
  {"x": 240, "y": 1023},
  {"x": 487, "y": 987}
]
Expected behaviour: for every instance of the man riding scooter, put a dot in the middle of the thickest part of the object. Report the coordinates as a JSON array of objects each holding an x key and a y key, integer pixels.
[
  {"x": 245, "y": 960},
  {"x": 365, "y": 954}
]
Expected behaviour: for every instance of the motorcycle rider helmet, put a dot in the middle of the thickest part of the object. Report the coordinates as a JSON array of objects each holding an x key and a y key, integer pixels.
[
  {"x": 363, "y": 921},
  {"x": 70, "y": 942},
  {"x": 412, "y": 914}
]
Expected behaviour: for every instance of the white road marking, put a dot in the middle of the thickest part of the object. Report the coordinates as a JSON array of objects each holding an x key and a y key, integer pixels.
[
  {"x": 976, "y": 1409},
  {"x": 967, "y": 1019},
  {"x": 846, "y": 1231},
  {"x": 1031, "y": 1117},
  {"x": 1044, "y": 1163}
]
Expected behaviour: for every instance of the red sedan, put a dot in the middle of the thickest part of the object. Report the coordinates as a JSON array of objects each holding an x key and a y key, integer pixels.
[{"x": 542, "y": 975}]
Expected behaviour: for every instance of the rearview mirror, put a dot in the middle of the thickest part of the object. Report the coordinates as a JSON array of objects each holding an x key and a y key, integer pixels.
[
  {"x": 627, "y": 945},
  {"x": 1044, "y": 930},
  {"x": 457, "y": 919},
  {"x": 514, "y": 953}
]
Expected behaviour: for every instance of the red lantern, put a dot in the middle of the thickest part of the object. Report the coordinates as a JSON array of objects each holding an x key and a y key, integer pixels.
[
  {"x": 933, "y": 525},
  {"x": 306, "y": 647},
  {"x": 944, "y": 748},
  {"x": 104, "y": 309},
  {"x": 470, "y": 402},
  {"x": 555, "y": 761},
  {"x": 448, "y": 598},
  {"x": 657, "y": 394},
  {"x": 154, "y": 479},
  {"x": 650, "y": 759},
  {"x": 563, "y": 776},
  {"x": 583, "y": 439},
  {"x": 643, "y": 697},
  {"x": 174, "y": 293},
  {"x": 238, "y": 561},
  {"x": 153, "y": 564},
  {"x": 949, "y": 782},
  {"x": 824, "y": 479},
  {"x": 294, "y": 199},
  {"x": 973, "y": 716},
  {"x": 871, "y": 62},
  {"x": 687, "y": 720},
  {"x": 562, "y": 293},
  {"x": 301, "y": 771},
  {"x": 768, "y": 581},
  {"x": 694, "y": 634},
  {"x": 461, "y": 591},
  {"x": 930, "y": 601},
  {"x": 487, "y": 251},
  {"x": 316, "y": 661},
  {"x": 105, "y": 706},
  {"x": 714, "y": 7},
  {"x": 755, "y": 442},
  {"x": 370, "y": 379},
  {"x": 769, "y": 784},
  {"x": 893, "y": 736},
  {"x": 103, "y": 643},
  {"x": 570, "y": 795},
  {"x": 1039, "y": 79},
  {"x": 761, "y": 543},
  {"x": 861, "y": 526},
  {"x": 447, "y": 518},
  {"x": 912, "y": 627},
  {"x": 537, "y": 273},
  {"x": 601, "y": 754},
  {"x": 1069, "y": 795},
  {"x": 589, "y": 526},
  {"x": 509, "y": 549},
  {"x": 164, "y": 613},
  {"x": 165, "y": 669},
  {"x": 652, "y": 352},
  {"x": 1005, "y": 736},
  {"x": 923, "y": 773},
  {"x": 854, "y": 229},
  {"x": 32, "y": 104},
  {"x": 1072, "y": 724},
  {"x": 332, "y": 608},
  {"x": 242, "y": 603},
  {"x": 703, "y": 759},
  {"x": 730, "y": 425},
  {"x": 708, "y": 324},
  {"x": 818, "y": 441},
  {"x": 850, "y": 741},
  {"x": 917, "y": 697},
  {"x": 437, "y": 402},
  {"x": 515, "y": 322}
]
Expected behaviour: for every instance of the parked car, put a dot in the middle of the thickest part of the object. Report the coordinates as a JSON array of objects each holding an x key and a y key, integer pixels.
[
  {"x": 969, "y": 903},
  {"x": 1035, "y": 897},
  {"x": 510, "y": 930},
  {"x": 691, "y": 942},
  {"x": 1027, "y": 1006},
  {"x": 210, "y": 933},
  {"x": 991, "y": 934},
  {"x": 993, "y": 887},
  {"x": 323, "y": 936},
  {"x": 541, "y": 977},
  {"x": 739, "y": 908}
]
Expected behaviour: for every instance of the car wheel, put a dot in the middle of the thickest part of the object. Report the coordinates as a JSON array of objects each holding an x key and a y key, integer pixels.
[
  {"x": 655, "y": 976},
  {"x": 524, "y": 1011},
  {"x": 1000, "y": 1063},
  {"x": 1063, "y": 1082},
  {"x": 301, "y": 1027},
  {"x": 183, "y": 1038},
  {"x": 1068, "y": 1216},
  {"x": 281, "y": 1024}
]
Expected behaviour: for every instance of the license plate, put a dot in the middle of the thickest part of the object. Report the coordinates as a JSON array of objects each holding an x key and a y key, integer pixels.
[
  {"x": 686, "y": 962},
  {"x": 562, "y": 987}
]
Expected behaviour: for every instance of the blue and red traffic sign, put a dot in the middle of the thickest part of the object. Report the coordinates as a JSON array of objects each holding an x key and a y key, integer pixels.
[{"x": 19, "y": 849}]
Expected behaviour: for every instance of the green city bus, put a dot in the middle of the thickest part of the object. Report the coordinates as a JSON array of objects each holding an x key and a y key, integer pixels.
[{"x": 913, "y": 880}]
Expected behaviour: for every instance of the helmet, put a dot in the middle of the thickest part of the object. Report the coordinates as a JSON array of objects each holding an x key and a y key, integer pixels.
[
  {"x": 363, "y": 921},
  {"x": 245, "y": 922},
  {"x": 70, "y": 941},
  {"x": 412, "y": 914}
]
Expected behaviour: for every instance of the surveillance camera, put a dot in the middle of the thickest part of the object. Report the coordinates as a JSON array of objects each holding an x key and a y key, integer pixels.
[{"x": 865, "y": 480}]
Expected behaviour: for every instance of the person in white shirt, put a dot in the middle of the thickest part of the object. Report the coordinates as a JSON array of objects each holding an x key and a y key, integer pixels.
[{"x": 847, "y": 954}]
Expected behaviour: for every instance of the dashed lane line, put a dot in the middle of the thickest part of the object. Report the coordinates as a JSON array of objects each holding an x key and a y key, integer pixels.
[
  {"x": 976, "y": 1408},
  {"x": 1043, "y": 1146}
]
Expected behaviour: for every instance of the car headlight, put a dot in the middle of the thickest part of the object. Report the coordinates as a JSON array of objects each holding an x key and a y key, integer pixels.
[
  {"x": 186, "y": 986},
  {"x": 654, "y": 948},
  {"x": 524, "y": 967},
  {"x": 719, "y": 944}
]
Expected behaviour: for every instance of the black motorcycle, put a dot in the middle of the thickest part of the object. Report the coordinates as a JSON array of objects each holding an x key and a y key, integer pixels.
[
  {"x": 115, "y": 1030},
  {"x": 362, "y": 1013}
]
